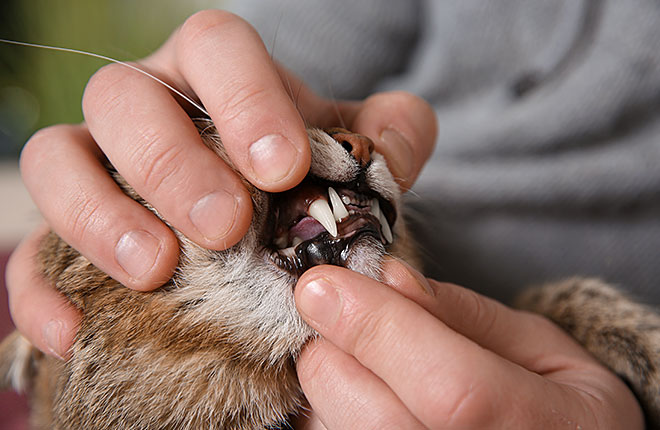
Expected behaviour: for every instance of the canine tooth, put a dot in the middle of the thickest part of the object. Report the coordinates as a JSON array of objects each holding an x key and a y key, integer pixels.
[
  {"x": 375, "y": 208},
  {"x": 385, "y": 226},
  {"x": 320, "y": 211},
  {"x": 296, "y": 241},
  {"x": 338, "y": 208}
]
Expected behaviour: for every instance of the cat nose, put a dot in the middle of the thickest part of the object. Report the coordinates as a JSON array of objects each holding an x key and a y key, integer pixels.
[{"x": 360, "y": 147}]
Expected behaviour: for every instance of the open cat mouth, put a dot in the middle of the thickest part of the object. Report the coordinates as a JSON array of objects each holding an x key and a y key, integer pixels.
[{"x": 318, "y": 222}]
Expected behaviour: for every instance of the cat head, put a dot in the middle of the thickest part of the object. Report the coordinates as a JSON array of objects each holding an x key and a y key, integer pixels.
[{"x": 343, "y": 213}]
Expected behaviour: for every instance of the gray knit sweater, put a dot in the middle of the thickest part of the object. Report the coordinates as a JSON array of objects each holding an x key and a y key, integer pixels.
[{"x": 548, "y": 159}]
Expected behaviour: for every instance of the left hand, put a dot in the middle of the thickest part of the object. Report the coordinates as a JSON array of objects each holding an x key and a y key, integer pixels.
[
  {"x": 416, "y": 353},
  {"x": 139, "y": 126}
]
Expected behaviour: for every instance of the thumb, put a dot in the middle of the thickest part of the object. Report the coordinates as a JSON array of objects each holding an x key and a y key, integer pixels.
[
  {"x": 403, "y": 128},
  {"x": 402, "y": 125}
]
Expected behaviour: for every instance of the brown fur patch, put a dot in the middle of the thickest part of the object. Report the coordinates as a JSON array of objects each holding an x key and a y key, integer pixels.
[{"x": 214, "y": 348}]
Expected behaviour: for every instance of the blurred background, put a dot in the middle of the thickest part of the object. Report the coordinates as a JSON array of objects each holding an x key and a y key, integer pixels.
[{"x": 41, "y": 87}]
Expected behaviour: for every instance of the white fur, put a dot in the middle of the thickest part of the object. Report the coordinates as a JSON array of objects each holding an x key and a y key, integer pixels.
[
  {"x": 19, "y": 371},
  {"x": 381, "y": 180},
  {"x": 329, "y": 160},
  {"x": 247, "y": 293}
]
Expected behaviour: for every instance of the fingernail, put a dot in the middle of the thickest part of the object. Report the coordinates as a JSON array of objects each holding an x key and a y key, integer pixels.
[
  {"x": 52, "y": 334},
  {"x": 421, "y": 279},
  {"x": 136, "y": 252},
  {"x": 213, "y": 215},
  {"x": 396, "y": 270},
  {"x": 320, "y": 302},
  {"x": 273, "y": 157},
  {"x": 400, "y": 154}
]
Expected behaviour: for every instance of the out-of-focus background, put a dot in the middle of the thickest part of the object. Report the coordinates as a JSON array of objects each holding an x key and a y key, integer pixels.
[{"x": 41, "y": 87}]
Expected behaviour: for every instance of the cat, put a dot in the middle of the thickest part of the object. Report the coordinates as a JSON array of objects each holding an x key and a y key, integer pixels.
[{"x": 215, "y": 346}]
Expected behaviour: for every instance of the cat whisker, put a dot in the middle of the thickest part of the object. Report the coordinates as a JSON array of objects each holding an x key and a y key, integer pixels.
[
  {"x": 296, "y": 103},
  {"x": 336, "y": 106},
  {"x": 111, "y": 60}
]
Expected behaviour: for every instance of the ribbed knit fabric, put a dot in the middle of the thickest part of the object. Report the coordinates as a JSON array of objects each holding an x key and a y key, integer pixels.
[{"x": 548, "y": 160}]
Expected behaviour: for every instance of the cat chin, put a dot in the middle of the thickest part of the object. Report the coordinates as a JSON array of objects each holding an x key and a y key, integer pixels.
[
  {"x": 264, "y": 321},
  {"x": 217, "y": 343},
  {"x": 245, "y": 293},
  {"x": 366, "y": 257}
]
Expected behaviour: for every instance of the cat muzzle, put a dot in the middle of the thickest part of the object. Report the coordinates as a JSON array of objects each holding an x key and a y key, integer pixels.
[{"x": 319, "y": 222}]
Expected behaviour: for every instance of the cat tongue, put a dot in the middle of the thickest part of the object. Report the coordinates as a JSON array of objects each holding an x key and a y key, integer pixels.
[{"x": 307, "y": 228}]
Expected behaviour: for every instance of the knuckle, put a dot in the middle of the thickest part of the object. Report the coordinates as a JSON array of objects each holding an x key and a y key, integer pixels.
[
  {"x": 35, "y": 148},
  {"x": 156, "y": 161},
  {"x": 484, "y": 313},
  {"x": 242, "y": 98},
  {"x": 198, "y": 25},
  {"x": 313, "y": 366},
  {"x": 374, "y": 331},
  {"x": 472, "y": 407},
  {"x": 105, "y": 90},
  {"x": 40, "y": 144},
  {"x": 81, "y": 215},
  {"x": 39, "y": 149}
]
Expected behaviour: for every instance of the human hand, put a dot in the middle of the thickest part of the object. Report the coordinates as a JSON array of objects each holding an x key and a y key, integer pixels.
[
  {"x": 416, "y": 353},
  {"x": 142, "y": 129}
]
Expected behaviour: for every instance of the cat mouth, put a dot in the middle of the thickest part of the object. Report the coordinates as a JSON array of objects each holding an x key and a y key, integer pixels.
[{"x": 319, "y": 222}]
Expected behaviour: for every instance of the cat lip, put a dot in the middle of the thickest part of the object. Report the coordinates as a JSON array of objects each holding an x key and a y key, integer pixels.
[
  {"x": 323, "y": 249},
  {"x": 318, "y": 222}
]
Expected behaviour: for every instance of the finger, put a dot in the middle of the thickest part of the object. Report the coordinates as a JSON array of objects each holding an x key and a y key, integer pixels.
[
  {"x": 486, "y": 321},
  {"x": 160, "y": 153},
  {"x": 61, "y": 168},
  {"x": 526, "y": 339},
  {"x": 442, "y": 377},
  {"x": 307, "y": 420},
  {"x": 45, "y": 317},
  {"x": 227, "y": 65},
  {"x": 345, "y": 395},
  {"x": 402, "y": 125}
]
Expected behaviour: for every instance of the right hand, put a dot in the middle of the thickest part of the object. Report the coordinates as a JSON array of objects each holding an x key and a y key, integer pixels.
[
  {"x": 147, "y": 135},
  {"x": 410, "y": 352}
]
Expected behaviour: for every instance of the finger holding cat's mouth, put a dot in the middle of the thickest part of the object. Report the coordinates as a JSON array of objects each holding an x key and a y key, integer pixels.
[{"x": 319, "y": 222}]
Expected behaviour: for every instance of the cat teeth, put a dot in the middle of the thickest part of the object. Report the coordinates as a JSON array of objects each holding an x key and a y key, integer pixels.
[
  {"x": 338, "y": 209},
  {"x": 375, "y": 208},
  {"x": 384, "y": 225},
  {"x": 320, "y": 211},
  {"x": 329, "y": 216}
]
